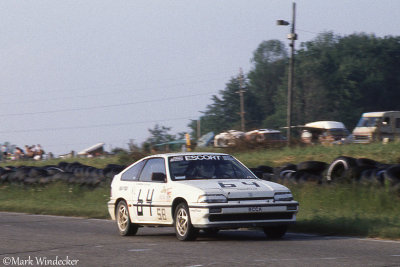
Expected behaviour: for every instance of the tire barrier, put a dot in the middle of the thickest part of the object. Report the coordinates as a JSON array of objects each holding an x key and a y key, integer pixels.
[
  {"x": 392, "y": 175},
  {"x": 69, "y": 173},
  {"x": 341, "y": 170}
]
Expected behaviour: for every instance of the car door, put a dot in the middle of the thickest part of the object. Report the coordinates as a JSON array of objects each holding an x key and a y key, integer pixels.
[
  {"x": 128, "y": 183},
  {"x": 150, "y": 194}
]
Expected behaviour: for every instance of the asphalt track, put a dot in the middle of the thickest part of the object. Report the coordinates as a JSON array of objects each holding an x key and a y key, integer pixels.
[{"x": 39, "y": 240}]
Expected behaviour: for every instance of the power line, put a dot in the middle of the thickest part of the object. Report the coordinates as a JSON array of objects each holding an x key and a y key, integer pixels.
[
  {"x": 95, "y": 125},
  {"x": 103, "y": 106},
  {"x": 108, "y": 86},
  {"x": 300, "y": 30},
  {"x": 108, "y": 93}
]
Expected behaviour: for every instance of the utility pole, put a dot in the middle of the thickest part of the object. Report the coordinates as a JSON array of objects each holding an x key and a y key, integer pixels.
[
  {"x": 241, "y": 91},
  {"x": 292, "y": 36},
  {"x": 198, "y": 129}
]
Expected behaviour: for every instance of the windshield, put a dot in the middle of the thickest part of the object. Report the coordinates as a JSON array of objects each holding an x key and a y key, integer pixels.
[
  {"x": 193, "y": 167},
  {"x": 368, "y": 122}
]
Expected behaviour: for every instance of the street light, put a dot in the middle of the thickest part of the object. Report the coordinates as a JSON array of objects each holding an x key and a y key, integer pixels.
[{"x": 292, "y": 36}]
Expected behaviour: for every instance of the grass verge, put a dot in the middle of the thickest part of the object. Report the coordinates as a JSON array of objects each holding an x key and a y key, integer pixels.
[
  {"x": 347, "y": 210},
  {"x": 56, "y": 199},
  {"x": 327, "y": 209}
]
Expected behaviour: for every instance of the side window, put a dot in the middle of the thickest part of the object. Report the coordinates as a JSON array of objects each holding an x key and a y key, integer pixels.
[
  {"x": 152, "y": 165},
  {"x": 132, "y": 174},
  {"x": 398, "y": 123}
]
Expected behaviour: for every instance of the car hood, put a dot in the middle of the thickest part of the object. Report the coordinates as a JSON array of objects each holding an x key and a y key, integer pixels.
[{"x": 237, "y": 188}]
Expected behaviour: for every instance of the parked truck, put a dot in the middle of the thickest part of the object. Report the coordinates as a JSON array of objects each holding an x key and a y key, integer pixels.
[
  {"x": 377, "y": 126},
  {"x": 324, "y": 132}
]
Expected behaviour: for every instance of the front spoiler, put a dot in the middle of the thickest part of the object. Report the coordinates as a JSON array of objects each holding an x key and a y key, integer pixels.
[{"x": 235, "y": 225}]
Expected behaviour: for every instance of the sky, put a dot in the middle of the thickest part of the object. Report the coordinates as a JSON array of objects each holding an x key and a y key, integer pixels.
[{"x": 76, "y": 73}]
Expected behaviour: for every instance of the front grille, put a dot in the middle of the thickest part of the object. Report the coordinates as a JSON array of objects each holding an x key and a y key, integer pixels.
[
  {"x": 361, "y": 137},
  {"x": 250, "y": 199},
  {"x": 251, "y": 216}
]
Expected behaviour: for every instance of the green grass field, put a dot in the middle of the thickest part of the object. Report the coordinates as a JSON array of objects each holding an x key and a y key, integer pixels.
[
  {"x": 348, "y": 210},
  {"x": 56, "y": 199},
  {"x": 333, "y": 209},
  {"x": 328, "y": 209}
]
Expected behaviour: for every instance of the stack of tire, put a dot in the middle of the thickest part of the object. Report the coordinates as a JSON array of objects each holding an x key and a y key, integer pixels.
[
  {"x": 307, "y": 171},
  {"x": 70, "y": 173},
  {"x": 341, "y": 170},
  {"x": 364, "y": 171}
]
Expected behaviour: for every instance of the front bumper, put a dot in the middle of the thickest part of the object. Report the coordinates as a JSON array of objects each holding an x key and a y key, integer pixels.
[
  {"x": 243, "y": 215},
  {"x": 362, "y": 139}
]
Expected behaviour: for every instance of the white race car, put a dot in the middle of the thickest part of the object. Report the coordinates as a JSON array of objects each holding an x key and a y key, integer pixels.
[{"x": 193, "y": 191}]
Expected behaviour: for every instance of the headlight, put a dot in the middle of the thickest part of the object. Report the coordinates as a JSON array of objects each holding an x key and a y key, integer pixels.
[
  {"x": 283, "y": 196},
  {"x": 212, "y": 198}
]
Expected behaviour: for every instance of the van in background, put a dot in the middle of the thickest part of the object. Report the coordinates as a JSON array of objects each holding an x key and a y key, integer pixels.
[{"x": 377, "y": 126}]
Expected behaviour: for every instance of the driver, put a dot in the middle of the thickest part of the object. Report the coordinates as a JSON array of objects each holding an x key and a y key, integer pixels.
[{"x": 206, "y": 169}]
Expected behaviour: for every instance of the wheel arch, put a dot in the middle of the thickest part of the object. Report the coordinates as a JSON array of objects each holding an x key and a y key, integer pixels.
[
  {"x": 175, "y": 203},
  {"x": 116, "y": 204}
]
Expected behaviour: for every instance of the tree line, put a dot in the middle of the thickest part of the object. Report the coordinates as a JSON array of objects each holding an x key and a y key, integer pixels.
[{"x": 336, "y": 78}]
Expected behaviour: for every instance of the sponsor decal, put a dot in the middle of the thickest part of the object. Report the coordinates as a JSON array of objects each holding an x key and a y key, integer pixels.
[
  {"x": 203, "y": 157},
  {"x": 255, "y": 209},
  {"x": 176, "y": 159}
]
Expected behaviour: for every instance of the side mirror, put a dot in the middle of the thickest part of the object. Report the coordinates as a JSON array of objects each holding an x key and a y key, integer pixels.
[{"x": 158, "y": 177}]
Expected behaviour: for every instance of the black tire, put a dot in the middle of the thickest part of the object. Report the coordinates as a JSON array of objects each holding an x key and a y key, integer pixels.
[
  {"x": 62, "y": 165},
  {"x": 392, "y": 175},
  {"x": 367, "y": 162},
  {"x": 339, "y": 169},
  {"x": 21, "y": 173},
  {"x": 304, "y": 176},
  {"x": 275, "y": 232},
  {"x": 184, "y": 229},
  {"x": 366, "y": 177},
  {"x": 125, "y": 227},
  {"x": 379, "y": 176},
  {"x": 53, "y": 170},
  {"x": 257, "y": 172},
  {"x": 355, "y": 173},
  {"x": 265, "y": 169},
  {"x": 315, "y": 167},
  {"x": 37, "y": 172},
  {"x": 62, "y": 176},
  {"x": 285, "y": 172},
  {"x": 289, "y": 166}
]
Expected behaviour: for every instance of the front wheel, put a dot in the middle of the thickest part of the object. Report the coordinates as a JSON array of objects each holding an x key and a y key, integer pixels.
[
  {"x": 125, "y": 227},
  {"x": 184, "y": 229},
  {"x": 275, "y": 232}
]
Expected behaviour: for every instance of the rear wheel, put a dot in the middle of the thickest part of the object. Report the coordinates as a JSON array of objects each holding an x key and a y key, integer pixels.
[
  {"x": 275, "y": 232},
  {"x": 183, "y": 227},
  {"x": 125, "y": 227}
]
